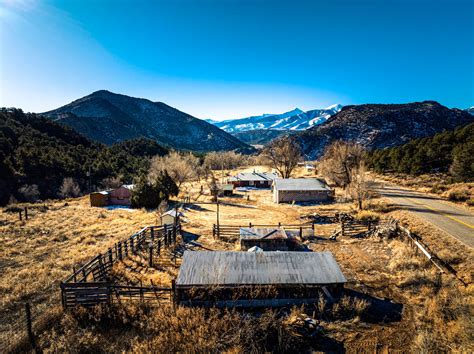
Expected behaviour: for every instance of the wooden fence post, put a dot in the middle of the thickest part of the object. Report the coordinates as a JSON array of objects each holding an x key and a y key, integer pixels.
[
  {"x": 342, "y": 227},
  {"x": 29, "y": 326},
  {"x": 131, "y": 245},
  {"x": 26, "y": 213},
  {"x": 110, "y": 257},
  {"x": 173, "y": 293},
  {"x": 120, "y": 250},
  {"x": 150, "y": 260},
  {"x": 159, "y": 248},
  {"x": 19, "y": 214}
]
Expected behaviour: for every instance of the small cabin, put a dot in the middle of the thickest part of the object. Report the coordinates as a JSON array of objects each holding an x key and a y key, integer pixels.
[
  {"x": 171, "y": 217},
  {"x": 301, "y": 190},
  {"x": 121, "y": 195},
  {"x": 99, "y": 199},
  {"x": 268, "y": 239},
  {"x": 257, "y": 279}
]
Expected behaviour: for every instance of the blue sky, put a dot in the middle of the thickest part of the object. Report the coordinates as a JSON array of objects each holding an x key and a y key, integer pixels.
[{"x": 229, "y": 59}]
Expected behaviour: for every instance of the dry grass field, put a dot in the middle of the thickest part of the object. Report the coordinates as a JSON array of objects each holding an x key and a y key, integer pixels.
[{"x": 395, "y": 301}]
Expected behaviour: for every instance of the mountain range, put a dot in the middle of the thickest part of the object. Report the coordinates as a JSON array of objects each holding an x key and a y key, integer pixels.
[
  {"x": 295, "y": 119},
  {"x": 381, "y": 125},
  {"x": 110, "y": 118}
]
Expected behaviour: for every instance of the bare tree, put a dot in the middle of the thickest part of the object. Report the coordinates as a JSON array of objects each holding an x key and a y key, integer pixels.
[
  {"x": 283, "y": 155},
  {"x": 111, "y": 182},
  {"x": 224, "y": 160},
  {"x": 180, "y": 167},
  {"x": 213, "y": 187},
  {"x": 358, "y": 188},
  {"x": 339, "y": 160},
  {"x": 69, "y": 188}
]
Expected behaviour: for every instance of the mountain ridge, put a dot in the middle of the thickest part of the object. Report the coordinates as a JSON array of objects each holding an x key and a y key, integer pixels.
[
  {"x": 110, "y": 118},
  {"x": 381, "y": 125}
]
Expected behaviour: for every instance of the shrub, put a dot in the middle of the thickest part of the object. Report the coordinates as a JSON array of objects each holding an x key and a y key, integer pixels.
[
  {"x": 459, "y": 194},
  {"x": 29, "y": 193},
  {"x": 367, "y": 215}
]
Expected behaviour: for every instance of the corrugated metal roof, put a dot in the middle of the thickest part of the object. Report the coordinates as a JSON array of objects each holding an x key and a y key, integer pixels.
[
  {"x": 301, "y": 184},
  {"x": 254, "y": 176},
  {"x": 204, "y": 268},
  {"x": 262, "y": 233}
]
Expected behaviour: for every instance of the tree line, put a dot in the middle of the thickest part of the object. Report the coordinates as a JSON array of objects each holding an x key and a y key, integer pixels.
[
  {"x": 449, "y": 152},
  {"x": 41, "y": 159}
]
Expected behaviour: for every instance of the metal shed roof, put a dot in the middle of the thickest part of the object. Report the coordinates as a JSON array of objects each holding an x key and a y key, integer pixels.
[
  {"x": 253, "y": 176},
  {"x": 262, "y": 233},
  {"x": 301, "y": 184},
  {"x": 227, "y": 268}
]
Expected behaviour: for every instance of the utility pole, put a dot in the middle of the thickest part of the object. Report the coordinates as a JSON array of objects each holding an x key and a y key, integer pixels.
[{"x": 217, "y": 215}]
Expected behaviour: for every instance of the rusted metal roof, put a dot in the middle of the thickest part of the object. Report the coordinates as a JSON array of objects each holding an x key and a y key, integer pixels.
[
  {"x": 301, "y": 184},
  {"x": 228, "y": 268},
  {"x": 262, "y": 233}
]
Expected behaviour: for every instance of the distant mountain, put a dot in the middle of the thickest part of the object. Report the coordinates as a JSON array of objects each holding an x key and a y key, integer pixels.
[
  {"x": 470, "y": 110},
  {"x": 111, "y": 118},
  {"x": 292, "y": 120},
  {"x": 382, "y": 125},
  {"x": 259, "y": 136}
]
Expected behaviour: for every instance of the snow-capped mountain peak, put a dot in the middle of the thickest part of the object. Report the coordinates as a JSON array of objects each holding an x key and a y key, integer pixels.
[{"x": 295, "y": 119}]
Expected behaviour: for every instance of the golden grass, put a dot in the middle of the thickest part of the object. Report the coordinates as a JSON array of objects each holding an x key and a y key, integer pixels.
[{"x": 36, "y": 254}]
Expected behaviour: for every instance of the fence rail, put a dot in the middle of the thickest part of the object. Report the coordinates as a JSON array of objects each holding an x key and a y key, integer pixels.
[
  {"x": 91, "y": 283},
  {"x": 232, "y": 232}
]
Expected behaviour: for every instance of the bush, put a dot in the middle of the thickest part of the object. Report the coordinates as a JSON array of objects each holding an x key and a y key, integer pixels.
[
  {"x": 367, "y": 215},
  {"x": 459, "y": 194},
  {"x": 29, "y": 193}
]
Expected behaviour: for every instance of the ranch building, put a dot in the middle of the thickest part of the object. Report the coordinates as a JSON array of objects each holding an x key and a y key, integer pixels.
[
  {"x": 256, "y": 279},
  {"x": 301, "y": 190},
  {"x": 253, "y": 179},
  {"x": 268, "y": 239}
]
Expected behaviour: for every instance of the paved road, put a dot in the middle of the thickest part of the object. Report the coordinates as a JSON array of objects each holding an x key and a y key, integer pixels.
[{"x": 455, "y": 221}]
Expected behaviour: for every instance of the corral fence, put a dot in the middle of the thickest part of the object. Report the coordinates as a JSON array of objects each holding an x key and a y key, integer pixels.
[
  {"x": 91, "y": 284},
  {"x": 232, "y": 232}
]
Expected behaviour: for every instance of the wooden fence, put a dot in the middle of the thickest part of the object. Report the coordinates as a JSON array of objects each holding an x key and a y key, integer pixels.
[
  {"x": 91, "y": 283},
  {"x": 232, "y": 232}
]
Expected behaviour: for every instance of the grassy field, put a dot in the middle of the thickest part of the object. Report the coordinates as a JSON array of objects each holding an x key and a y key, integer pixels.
[{"x": 395, "y": 300}]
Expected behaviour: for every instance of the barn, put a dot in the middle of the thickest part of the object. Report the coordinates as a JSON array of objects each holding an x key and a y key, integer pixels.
[
  {"x": 121, "y": 195},
  {"x": 268, "y": 239},
  {"x": 256, "y": 279},
  {"x": 253, "y": 179},
  {"x": 301, "y": 190},
  {"x": 99, "y": 199}
]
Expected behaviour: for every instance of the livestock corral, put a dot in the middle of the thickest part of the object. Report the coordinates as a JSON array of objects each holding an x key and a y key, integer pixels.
[{"x": 115, "y": 280}]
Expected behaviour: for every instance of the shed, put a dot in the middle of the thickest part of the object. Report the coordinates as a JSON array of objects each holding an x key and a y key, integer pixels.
[
  {"x": 121, "y": 195},
  {"x": 228, "y": 278},
  {"x": 99, "y": 199},
  {"x": 268, "y": 239},
  {"x": 301, "y": 190},
  {"x": 253, "y": 179},
  {"x": 225, "y": 189},
  {"x": 169, "y": 218}
]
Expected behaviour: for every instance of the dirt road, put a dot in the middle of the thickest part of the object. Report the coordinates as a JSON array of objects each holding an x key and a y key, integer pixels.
[{"x": 455, "y": 221}]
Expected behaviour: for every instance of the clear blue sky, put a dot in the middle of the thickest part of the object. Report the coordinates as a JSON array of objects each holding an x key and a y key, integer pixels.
[{"x": 229, "y": 59}]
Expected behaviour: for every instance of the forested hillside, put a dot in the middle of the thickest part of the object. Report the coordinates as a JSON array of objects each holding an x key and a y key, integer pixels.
[
  {"x": 450, "y": 152},
  {"x": 37, "y": 154}
]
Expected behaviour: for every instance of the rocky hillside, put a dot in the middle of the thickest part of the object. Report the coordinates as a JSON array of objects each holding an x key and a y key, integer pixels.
[
  {"x": 295, "y": 119},
  {"x": 259, "y": 136},
  {"x": 382, "y": 125},
  {"x": 110, "y": 118}
]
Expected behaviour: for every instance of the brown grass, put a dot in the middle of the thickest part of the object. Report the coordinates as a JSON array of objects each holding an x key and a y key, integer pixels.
[{"x": 36, "y": 254}]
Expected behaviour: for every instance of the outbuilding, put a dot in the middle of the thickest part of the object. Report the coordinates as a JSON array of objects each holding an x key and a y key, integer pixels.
[
  {"x": 268, "y": 239},
  {"x": 256, "y": 279},
  {"x": 171, "y": 217},
  {"x": 121, "y": 195},
  {"x": 253, "y": 179},
  {"x": 301, "y": 190},
  {"x": 225, "y": 190},
  {"x": 99, "y": 199}
]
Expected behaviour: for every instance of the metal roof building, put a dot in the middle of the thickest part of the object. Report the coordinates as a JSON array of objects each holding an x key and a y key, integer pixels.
[
  {"x": 254, "y": 179},
  {"x": 268, "y": 239},
  {"x": 207, "y": 277},
  {"x": 301, "y": 190}
]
